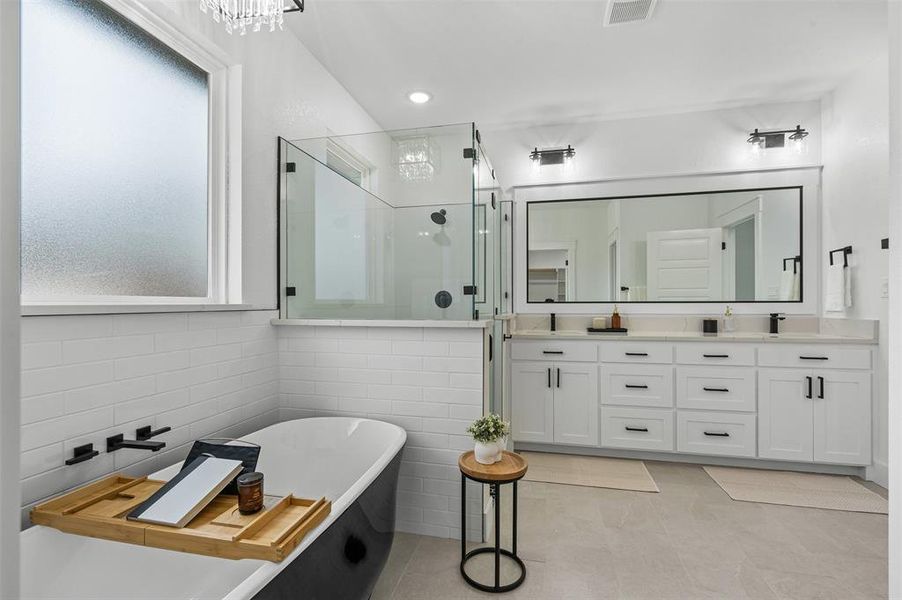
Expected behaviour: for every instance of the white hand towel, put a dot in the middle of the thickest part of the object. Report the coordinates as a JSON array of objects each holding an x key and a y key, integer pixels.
[
  {"x": 786, "y": 283},
  {"x": 835, "y": 300},
  {"x": 847, "y": 287}
]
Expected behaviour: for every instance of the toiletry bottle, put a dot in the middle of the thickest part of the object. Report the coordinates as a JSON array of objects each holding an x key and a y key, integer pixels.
[
  {"x": 615, "y": 319},
  {"x": 729, "y": 323}
]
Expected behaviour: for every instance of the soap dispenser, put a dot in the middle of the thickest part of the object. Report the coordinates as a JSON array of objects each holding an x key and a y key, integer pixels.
[
  {"x": 615, "y": 319},
  {"x": 729, "y": 323}
]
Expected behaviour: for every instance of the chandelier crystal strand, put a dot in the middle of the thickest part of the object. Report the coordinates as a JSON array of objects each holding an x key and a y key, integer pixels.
[{"x": 242, "y": 15}]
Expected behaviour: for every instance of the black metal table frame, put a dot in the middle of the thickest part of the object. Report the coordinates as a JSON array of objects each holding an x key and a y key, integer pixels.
[{"x": 497, "y": 550}]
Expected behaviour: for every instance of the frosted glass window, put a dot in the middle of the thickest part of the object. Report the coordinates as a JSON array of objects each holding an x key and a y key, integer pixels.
[{"x": 114, "y": 158}]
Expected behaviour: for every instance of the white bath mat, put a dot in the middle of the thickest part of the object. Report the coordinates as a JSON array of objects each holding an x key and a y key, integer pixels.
[
  {"x": 589, "y": 471},
  {"x": 812, "y": 490}
]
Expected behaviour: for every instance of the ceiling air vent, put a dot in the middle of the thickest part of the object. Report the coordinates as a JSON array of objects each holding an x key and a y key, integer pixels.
[{"x": 619, "y": 12}]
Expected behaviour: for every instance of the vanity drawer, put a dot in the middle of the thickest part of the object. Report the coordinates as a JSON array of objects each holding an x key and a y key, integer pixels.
[
  {"x": 636, "y": 428},
  {"x": 637, "y": 385},
  {"x": 721, "y": 434},
  {"x": 554, "y": 350},
  {"x": 692, "y": 353},
  {"x": 820, "y": 356},
  {"x": 636, "y": 352},
  {"x": 716, "y": 388}
]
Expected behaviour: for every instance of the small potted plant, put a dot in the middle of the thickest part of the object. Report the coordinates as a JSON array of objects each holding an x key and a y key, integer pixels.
[{"x": 488, "y": 432}]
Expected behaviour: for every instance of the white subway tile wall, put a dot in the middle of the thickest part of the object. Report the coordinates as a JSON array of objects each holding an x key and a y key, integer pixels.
[
  {"x": 85, "y": 378},
  {"x": 428, "y": 381}
]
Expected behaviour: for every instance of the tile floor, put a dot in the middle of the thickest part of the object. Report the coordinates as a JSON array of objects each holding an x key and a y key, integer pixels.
[{"x": 689, "y": 541}]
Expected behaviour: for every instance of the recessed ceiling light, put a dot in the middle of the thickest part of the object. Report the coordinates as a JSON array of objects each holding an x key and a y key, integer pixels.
[{"x": 419, "y": 97}]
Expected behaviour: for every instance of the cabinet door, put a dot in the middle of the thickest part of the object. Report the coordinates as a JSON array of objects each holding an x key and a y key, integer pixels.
[
  {"x": 842, "y": 417},
  {"x": 532, "y": 409},
  {"x": 785, "y": 414},
  {"x": 575, "y": 404}
]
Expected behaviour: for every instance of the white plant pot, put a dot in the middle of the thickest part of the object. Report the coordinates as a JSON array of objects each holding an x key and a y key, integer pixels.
[{"x": 487, "y": 453}]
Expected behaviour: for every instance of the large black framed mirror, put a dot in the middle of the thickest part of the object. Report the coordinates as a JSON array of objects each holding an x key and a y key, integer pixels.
[{"x": 741, "y": 245}]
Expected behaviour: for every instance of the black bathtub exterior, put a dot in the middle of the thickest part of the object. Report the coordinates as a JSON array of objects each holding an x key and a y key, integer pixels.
[{"x": 345, "y": 561}]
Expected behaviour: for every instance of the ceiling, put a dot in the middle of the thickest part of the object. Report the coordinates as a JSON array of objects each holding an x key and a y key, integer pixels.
[{"x": 515, "y": 62}]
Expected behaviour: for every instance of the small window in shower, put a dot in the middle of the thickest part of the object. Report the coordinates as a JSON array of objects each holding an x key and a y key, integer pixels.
[{"x": 343, "y": 162}]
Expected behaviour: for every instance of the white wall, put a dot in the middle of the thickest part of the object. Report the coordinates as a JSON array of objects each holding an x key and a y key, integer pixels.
[
  {"x": 855, "y": 209},
  {"x": 9, "y": 300},
  {"x": 895, "y": 301},
  {"x": 697, "y": 142},
  {"x": 85, "y": 378},
  {"x": 428, "y": 381}
]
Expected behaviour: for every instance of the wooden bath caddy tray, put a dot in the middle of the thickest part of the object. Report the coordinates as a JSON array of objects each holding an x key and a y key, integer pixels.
[{"x": 99, "y": 509}]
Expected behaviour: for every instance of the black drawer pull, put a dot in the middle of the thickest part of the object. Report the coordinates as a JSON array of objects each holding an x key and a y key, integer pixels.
[
  {"x": 635, "y": 387},
  {"x": 549, "y": 377},
  {"x": 717, "y": 434},
  {"x": 814, "y": 358},
  {"x": 552, "y": 351},
  {"x": 637, "y": 353},
  {"x": 707, "y": 389},
  {"x": 716, "y": 355},
  {"x": 639, "y": 429},
  {"x": 809, "y": 380}
]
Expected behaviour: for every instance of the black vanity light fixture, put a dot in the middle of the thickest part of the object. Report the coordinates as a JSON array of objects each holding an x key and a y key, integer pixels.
[
  {"x": 762, "y": 140},
  {"x": 553, "y": 156}
]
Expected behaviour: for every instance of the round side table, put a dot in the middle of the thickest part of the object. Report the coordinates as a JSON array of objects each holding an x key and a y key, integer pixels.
[{"x": 510, "y": 469}]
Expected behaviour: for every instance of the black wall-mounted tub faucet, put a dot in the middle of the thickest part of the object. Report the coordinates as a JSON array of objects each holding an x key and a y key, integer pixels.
[{"x": 117, "y": 442}]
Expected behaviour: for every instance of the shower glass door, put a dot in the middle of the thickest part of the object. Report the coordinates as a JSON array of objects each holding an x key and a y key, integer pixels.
[{"x": 378, "y": 225}]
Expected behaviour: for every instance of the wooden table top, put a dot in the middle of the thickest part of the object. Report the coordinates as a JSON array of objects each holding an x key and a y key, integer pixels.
[{"x": 510, "y": 468}]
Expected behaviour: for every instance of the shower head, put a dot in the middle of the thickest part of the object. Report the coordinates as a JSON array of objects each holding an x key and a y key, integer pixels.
[{"x": 438, "y": 217}]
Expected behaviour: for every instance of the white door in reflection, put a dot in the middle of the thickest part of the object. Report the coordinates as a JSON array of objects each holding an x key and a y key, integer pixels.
[{"x": 685, "y": 265}]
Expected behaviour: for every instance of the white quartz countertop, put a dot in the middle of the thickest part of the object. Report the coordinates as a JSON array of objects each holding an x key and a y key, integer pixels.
[{"x": 686, "y": 336}]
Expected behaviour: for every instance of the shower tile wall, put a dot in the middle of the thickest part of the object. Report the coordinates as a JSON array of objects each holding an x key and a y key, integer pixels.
[
  {"x": 88, "y": 377},
  {"x": 428, "y": 381}
]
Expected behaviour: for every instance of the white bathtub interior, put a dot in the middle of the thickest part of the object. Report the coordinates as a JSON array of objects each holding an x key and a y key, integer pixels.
[{"x": 333, "y": 457}]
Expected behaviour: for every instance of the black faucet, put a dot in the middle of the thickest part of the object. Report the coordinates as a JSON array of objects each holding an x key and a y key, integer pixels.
[
  {"x": 117, "y": 442},
  {"x": 775, "y": 319},
  {"x": 553, "y": 322}
]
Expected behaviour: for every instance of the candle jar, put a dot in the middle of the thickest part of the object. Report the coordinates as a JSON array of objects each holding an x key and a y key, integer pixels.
[{"x": 250, "y": 493}]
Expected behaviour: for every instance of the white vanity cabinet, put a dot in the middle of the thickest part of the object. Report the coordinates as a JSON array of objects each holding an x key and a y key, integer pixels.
[
  {"x": 819, "y": 415},
  {"x": 555, "y": 402},
  {"x": 777, "y": 401}
]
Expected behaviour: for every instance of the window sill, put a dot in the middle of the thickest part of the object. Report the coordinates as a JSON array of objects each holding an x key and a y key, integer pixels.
[{"x": 42, "y": 310}]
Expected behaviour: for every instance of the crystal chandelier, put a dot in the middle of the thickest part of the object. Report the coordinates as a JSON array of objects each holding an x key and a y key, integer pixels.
[
  {"x": 417, "y": 158},
  {"x": 250, "y": 14}
]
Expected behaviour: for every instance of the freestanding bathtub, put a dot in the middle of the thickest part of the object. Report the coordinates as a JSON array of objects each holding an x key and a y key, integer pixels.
[{"x": 353, "y": 462}]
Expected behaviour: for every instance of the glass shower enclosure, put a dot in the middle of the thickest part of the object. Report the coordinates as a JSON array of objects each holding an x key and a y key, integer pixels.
[{"x": 393, "y": 225}]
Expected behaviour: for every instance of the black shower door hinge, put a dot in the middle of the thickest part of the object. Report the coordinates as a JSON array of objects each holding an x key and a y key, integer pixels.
[
  {"x": 291, "y": 291},
  {"x": 469, "y": 153},
  {"x": 476, "y": 314},
  {"x": 723, "y": 245},
  {"x": 290, "y": 167},
  {"x": 470, "y": 290}
]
